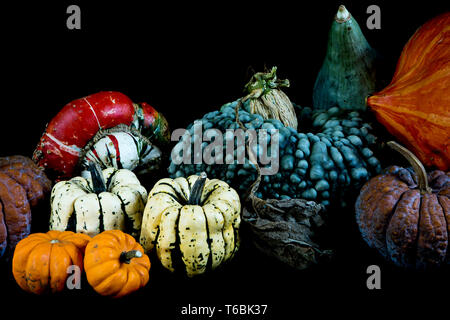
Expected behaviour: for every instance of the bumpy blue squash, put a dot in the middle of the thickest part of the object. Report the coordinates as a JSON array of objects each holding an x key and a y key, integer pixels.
[{"x": 332, "y": 156}]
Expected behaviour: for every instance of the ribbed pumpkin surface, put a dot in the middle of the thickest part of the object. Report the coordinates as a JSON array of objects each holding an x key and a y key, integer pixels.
[{"x": 415, "y": 107}]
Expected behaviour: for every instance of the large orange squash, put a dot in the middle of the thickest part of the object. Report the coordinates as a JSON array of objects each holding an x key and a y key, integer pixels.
[{"x": 415, "y": 106}]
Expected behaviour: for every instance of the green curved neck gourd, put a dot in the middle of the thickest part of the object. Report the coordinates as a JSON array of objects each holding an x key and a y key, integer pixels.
[{"x": 347, "y": 75}]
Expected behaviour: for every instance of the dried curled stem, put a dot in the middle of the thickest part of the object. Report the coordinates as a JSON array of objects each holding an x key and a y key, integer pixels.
[
  {"x": 415, "y": 163},
  {"x": 253, "y": 159}
]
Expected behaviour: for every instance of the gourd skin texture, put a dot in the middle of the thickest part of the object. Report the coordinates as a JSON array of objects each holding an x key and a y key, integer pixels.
[
  {"x": 75, "y": 205},
  {"x": 63, "y": 145},
  {"x": 331, "y": 157},
  {"x": 407, "y": 227},
  {"x": 22, "y": 186},
  {"x": 204, "y": 234},
  {"x": 41, "y": 260},
  {"x": 123, "y": 148},
  {"x": 268, "y": 100},
  {"x": 415, "y": 106},
  {"x": 106, "y": 271},
  {"x": 347, "y": 75}
]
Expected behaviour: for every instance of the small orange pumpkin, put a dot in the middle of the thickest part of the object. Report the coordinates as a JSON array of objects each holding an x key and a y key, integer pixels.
[
  {"x": 415, "y": 106},
  {"x": 41, "y": 260},
  {"x": 116, "y": 264}
]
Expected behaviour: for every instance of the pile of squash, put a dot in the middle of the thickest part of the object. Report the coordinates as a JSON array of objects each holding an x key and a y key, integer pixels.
[
  {"x": 332, "y": 156},
  {"x": 326, "y": 151},
  {"x": 405, "y": 214},
  {"x": 104, "y": 222},
  {"x": 100, "y": 217},
  {"x": 114, "y": 263}
]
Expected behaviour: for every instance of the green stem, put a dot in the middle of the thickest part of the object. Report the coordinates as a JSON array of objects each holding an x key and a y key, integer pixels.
[
  {"x": 416, "y": 164},
  {"x": 262, "y": 82},
  {"x": 98, "y": 181},
  {"x": 197, "y": 190},
  {"x": 126, "y": 256}
]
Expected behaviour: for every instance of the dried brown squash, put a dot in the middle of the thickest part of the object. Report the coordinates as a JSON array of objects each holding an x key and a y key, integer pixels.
[
  {"x": 22, "y": 185},
  {"x": 405, "y": 214}
]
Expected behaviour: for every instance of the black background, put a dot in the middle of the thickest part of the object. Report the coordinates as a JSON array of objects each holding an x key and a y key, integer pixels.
[{"x": 186, "y": 59}]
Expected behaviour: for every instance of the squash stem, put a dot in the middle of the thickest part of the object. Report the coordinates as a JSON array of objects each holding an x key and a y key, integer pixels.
[
  {"x": 252, "y": 157},
  {"x": 262, "y": 82},
  {"x": 416, "y": 164},
  {"x": 197, "y": 190},
  {"x": 98, "y": 182},
  {"x": 126, "y": 256},
  {"x": 342, "y": 15}
]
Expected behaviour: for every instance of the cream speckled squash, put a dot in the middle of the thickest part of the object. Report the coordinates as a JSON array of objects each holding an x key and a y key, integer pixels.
[
  {"x": 108, "y": 200},
  {"x": 194, "y": 217}
]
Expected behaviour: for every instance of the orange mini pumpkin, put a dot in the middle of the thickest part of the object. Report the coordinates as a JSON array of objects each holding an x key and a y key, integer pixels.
[
  {"x": 415, "y": 106},
  {"x": 41, "y": 260},
  {"x": 116, "y": 264}
]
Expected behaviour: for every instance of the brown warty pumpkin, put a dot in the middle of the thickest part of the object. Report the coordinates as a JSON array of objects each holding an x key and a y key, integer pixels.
[
  {"x": 116, "y": 264},
  {"x": 22, "y": 185},
  {"x": 405, "y": 214},
  {"x": 415, "y": 106},
  {"x": 41, "y": 260}
]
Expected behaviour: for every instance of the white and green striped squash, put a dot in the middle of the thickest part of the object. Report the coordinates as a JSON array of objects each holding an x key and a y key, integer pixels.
[
  {"x": 107, "y": 200},
  {"x": 192, "y": 223}
]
